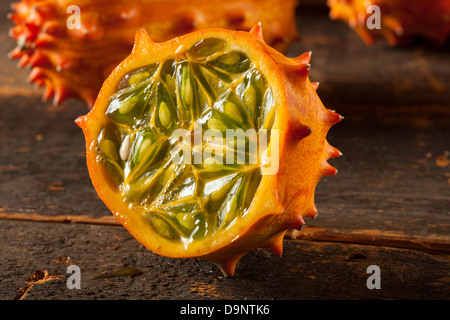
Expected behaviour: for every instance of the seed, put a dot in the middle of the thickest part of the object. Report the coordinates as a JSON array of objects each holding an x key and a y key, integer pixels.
[
  {"x": 165, "y": 117},
  {"x": 250, "y": 96},
  {"x": 232, "y": 111},
  {"x": 186, "y": 220},
  {"x": 216, "y": 124},
  {"x": 230, "y": 58},
  {"x": 143, "y": 148},
  {"x": 170, "y": 83},
  {"x": 109, "y": 149},
  {"x": 186, "y": 88},
  {"x": 124, "y": 148},
  {"x": 139, "y": 77},
  {"x": 206, "y": 47},
  {"x": 268, "y": 124},
  {"x": 232, "y": 62},
  {"x": 163, "y": 227},
  {"x": 128, "y": 104}
]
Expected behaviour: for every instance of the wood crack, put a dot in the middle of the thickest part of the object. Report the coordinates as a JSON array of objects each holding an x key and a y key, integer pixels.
[
  {"x": 373, "y": 238},
  {"x": 362, "y": 237},
  {"x": 40, "y": 276}
]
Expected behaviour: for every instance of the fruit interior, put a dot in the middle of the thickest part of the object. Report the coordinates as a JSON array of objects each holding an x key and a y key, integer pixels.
[{"x": 188, "y": 186}]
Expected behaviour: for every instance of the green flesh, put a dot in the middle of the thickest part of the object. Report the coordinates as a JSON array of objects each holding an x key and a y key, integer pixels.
[{"x": 208, "y": 87}]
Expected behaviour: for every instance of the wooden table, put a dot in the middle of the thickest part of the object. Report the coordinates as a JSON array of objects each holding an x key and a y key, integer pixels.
[{"x": 389, "y": 205}]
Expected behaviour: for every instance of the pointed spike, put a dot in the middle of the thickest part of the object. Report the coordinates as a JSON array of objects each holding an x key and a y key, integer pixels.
[
  {"x": 313, "y": 212},
  {"x": 315, "y": 85},
  {"x": 14, "y": 17},
  {"x": 299, "y": 222},
  {"x": 44, "y": 40},
  {"x": 54, "y": 29},
  {"x": 275, "y": 243},
  {"x": 257, "y": 32},
  {"x": 39, "y": 82},
  {"x": 298, "y": 132},
  {"x": 228, "y": 265},
  {"x": 331, "y": 151},
  {"x": 329, "y": 170},
  {"x": 80, "y": 121},
  {"x": 23, "y": 62},
  {"x": 16, "y": 53},
  {"x": 38, "y": 59},
  {"x": 142, "y": 41},
  {"x": 16, "y": 32},
  {"x": 62, "y": 92},
  {"x": 310, "y": 211},
  {"x": 48, "y": 92},
  {"x": 303, "y": 59},
  {"x": 64, "y": 62},
  {"x": 14, "y": 6},
  {"x": 35, "y": 74},
  {"x": 333, "y": 117}
]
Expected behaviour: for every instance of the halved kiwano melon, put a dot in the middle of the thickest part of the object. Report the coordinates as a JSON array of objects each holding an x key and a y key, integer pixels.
[{"x": 209, "y": 145}]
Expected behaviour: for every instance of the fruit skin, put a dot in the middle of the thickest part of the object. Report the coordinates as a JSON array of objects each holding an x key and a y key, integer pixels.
[
  {"x": 75, "y": 62},
  {"x": 401, "y": 20},
  {"x": 282, "y": 199}
]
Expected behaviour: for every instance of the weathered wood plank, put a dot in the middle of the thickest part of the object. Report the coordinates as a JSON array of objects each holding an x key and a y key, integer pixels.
[{"x": 306, "y": 270}]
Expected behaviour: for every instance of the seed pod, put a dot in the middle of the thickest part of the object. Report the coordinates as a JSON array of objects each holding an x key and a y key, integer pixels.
[{"x": 220, "y": 208}]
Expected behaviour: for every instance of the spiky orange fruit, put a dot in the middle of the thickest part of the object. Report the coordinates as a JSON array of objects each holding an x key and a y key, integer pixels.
[
  {"x": 401, "y": 20},
  {"x": 72, "y": 46},
  {"x": 193, "y": 202}
]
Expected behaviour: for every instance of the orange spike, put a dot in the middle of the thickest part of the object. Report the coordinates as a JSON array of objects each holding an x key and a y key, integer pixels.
[
  {"x": 38, "y": 59},
  {"x": 257, "y": 32},
  {"x": 14, "y": 17},
  {"x": 312, "y": 212},
  {"x": 16, "y": 53},
  {"x": 329, "y": 170},
  {"x": 275, "y": 243},
  {"x": 142, "y": 41},
  {"x": 61, "y": 93},
  {"x": 39, "y": 82},
  {"x": 315, "y": 85},
  {"x": 44, "y": 40},
  {"x": 303, "y": 59},
  {"x": 228, "y": 264},
  {"x": 48, "y": 92},
  {"x": 36, "y": 73},
  {"x": 298, "y": 132},
  {"x": 332, "y": 117},
  {"x": 331, "y": 151}
]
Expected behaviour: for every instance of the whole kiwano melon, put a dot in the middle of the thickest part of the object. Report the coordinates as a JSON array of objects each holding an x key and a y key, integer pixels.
[
  {"x": 159, "y": 156},
  {"x": 72, "y": 46}
]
